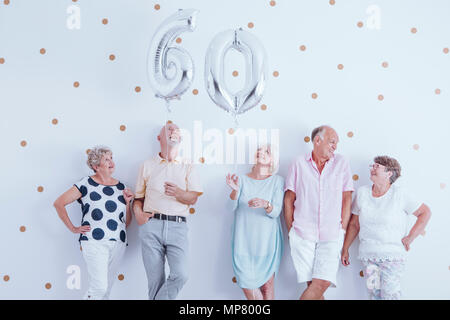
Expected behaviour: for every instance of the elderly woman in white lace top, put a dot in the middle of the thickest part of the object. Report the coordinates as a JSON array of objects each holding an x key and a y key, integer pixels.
[{"x": 379, "y": 215}]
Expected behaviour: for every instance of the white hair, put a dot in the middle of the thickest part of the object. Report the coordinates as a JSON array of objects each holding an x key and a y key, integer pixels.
[{"x": 95, "y": 156}]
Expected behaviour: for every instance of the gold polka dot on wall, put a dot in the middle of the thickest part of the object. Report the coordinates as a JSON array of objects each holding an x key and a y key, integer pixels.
[
  {"x": 314, "y": 95},
  {"x": 105, "y": 21},
  {"x": 191, "y": 210},
  {"x": 355, "y": 177},
  {"x": 340, "y": 66},
  {"x": 123, "y": 128},
  {"x": 23, "y": 229},
  {"x": 112, "y": 57},
  {"x": 416, "y": 147},
  {"x": 121, "y": 277},
  {"x": 250, "y": 25},
  {"x": 87, "y": 151},
  {"x": 2, "y": 60},
  {"x": 307, "y": 139},
  {"x": 385, "y": 64},
  {"x": 6, "y": 278},
  {"x": 178, "y": 40},
  {"x": 361, "y": 273},
  {"x": 23, "y": 143},
  {"x": 350, "y": 134},
  {"x": 76, "y": 84},
  {"x": 137, "y": 89},
  {"x": 360, "y": 24},
  {"x": 437, "y": 91},
  {"x": 157, "y": 7},
  {"x": 42, "y": 51},
  {"x": 413, "y": 30},
  {"x": 55, "y": 121},
  {"x": 235, "y": 73},
  {"x": 380, "y": 97},
  {"x": 272, "y": 3},
  {"x": 231, "y": 131},
  {"x": 332, "y": 2},
  {"x": 263, "y": 107},
  {"x": 276, "y": 74},
  {"x": 201, "y": 160},
  {"x": 40, "y": 189},
  {"x": 195, "y": 92},
  {"x": 48, "y": 286},
  {"x": 445, "y": 50},
  {"x": 442, "y": 185},
  {"x": 6, "y": 2},
  {"x": 169, "y": 121},
  {"x": 302, "y": 47},
  {"x": 234, "y": 280}
]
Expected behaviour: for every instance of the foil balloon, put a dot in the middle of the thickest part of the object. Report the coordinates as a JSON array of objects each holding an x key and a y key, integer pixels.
[
  {"x": 170, "y": 69},
  {"x": 256, "y": 71}
]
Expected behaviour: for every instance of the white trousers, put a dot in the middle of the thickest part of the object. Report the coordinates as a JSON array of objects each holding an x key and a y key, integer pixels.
[{"x": 102, "y": 260}]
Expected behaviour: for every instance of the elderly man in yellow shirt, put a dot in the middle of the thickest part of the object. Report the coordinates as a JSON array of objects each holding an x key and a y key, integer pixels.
[{"x": 166, "y": 187}]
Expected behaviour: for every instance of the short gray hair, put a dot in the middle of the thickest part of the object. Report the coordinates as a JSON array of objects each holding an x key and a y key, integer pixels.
[
  {"x": 95, "y": 156},
  {"x": 391, "y": 165},
  {"x": 318, "y": 131}
]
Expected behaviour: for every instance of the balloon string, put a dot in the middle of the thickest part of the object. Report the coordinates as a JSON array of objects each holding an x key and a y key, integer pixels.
[{"x": 235, "y": 128}]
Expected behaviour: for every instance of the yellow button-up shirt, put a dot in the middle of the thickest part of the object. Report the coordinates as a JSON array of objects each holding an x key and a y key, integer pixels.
[{"x": 154, "y": 172}]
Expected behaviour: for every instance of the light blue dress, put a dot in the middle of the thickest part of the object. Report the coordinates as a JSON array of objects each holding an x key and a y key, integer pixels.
[{"x": 257, "y": 239}]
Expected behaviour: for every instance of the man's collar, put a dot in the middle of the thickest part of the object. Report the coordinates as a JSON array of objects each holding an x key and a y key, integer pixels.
[
  {"x": 161, "y": 159},
  {"x": 309, "y": 157}
]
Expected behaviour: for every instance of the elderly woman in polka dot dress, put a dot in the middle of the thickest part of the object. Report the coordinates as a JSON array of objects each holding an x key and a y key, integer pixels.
[{"x": 105, "y": 206}]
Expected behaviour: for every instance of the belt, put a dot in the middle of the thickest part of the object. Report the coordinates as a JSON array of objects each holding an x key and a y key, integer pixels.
[{"x": 161, "y": 216}]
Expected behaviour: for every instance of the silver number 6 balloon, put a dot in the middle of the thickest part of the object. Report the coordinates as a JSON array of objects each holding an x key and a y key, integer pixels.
[
  {"x": 170, "y": 69},
  {"x": 256, "y": 71}
]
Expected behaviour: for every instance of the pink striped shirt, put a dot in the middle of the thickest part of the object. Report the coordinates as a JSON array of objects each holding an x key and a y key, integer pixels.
[{"x": 318, "y": 203}]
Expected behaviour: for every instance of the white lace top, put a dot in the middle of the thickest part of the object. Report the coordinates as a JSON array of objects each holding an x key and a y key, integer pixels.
[{"x": 383, "y": 222}]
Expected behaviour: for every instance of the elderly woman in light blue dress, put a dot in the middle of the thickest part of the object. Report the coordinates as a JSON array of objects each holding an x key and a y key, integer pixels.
[{"x": 257, "y": 239}]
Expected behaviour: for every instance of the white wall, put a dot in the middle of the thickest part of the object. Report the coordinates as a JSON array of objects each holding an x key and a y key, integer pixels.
[{"x": 36, "y": 88}]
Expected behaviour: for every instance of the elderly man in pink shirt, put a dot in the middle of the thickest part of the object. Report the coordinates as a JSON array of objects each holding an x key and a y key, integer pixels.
[{"x": 317, "y": 200}]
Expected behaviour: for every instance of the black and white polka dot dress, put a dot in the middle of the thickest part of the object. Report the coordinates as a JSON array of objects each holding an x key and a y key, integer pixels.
[{"x": 104, "y": 210}]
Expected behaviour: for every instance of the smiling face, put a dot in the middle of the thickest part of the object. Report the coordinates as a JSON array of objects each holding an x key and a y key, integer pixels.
[
  {"x": 106, "y": 166},
  {"x": 326, "y": 147},
  {"x": 379, "y": 174}
]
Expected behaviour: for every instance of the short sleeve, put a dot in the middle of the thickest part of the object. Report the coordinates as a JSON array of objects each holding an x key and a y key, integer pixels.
[
  {"x": 81, "y": 185},
  {"x": 347, "y": 184},
  {"x": 410, "y": 205},
  {"x": 193, "y": 180},
  {"x": 291, "y": 178},
  {"x": 356, "y": 204},
  {"x": 141, "y": 183}
]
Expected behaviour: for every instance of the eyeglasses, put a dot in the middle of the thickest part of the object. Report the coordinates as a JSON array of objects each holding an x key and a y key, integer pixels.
[{"x": 376, "y": 166}]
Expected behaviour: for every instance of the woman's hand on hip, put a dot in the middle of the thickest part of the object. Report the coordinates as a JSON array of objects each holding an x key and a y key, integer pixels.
[
  {"x": 407, "y": 242},
  {"x": 81, "y": 229}
]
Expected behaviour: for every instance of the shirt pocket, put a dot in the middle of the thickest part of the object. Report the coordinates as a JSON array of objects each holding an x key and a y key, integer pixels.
[{"x": 334, "y": 182}]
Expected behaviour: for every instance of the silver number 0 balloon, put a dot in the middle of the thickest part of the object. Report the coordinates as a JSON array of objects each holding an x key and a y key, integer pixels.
[
  {"x": 256, "y": 71},
  {"x": 170, "y": 69}
]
